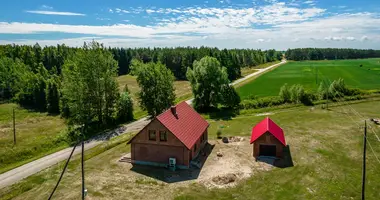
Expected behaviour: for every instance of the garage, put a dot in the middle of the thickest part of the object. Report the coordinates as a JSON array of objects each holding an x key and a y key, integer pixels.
[
  {"x": 267, "y": 150},
  {"x": 268, "y": 139}
]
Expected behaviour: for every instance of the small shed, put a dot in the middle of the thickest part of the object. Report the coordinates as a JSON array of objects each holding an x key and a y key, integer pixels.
[
  {"x": 268, "y": 139},
  {"x": 176, "y": 136}
]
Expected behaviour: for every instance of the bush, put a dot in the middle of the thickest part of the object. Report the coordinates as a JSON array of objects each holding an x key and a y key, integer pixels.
[
  {"x": 125, "y": 108},
  {"x": 261, "y": 103},
  {"x": 297, "y": 93},
  {"x": 219, "y": 133},
  {"x": 285, "y": 93}
]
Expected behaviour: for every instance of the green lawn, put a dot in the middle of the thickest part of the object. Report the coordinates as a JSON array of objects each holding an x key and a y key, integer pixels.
[
  {"x": 37, "y": 134},
  {"x": 304, "y": 72},
  {"x": 326, "y": 147}
]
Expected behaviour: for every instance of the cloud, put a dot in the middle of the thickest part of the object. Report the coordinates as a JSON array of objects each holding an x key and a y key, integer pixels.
[
  {"x": 110, "y": 10},
  {"x": 103, "y": 19},
  {"x": 119, "y": 10},
  {"x": 45, "y": 12},
  {"x": 45, "y": 7},
  {"x": 364, "y": 38},
  {"x": 272, "y": 25}
]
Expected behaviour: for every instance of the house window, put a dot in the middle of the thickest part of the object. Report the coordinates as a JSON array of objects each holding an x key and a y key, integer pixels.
[
  {"x": 163, "y": 136},
  {"x": 152, "y": 135},
  {"x": 195, "y": 148}
]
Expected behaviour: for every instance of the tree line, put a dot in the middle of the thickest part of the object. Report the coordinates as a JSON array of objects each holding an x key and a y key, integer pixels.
[
  {"x": 80, "y": 83},
  {"x": 330, "y": 54},
  {"x": 176, "y": 59}
]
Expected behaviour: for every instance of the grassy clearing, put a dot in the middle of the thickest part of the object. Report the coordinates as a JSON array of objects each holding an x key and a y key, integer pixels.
[
  {"x": 49, "y": 177},
  {"x": 269, "y": 84},
  {"x": 37, "y": 134},
  {"x": 326, "y": 147},
  {"x": 182, "y": 91},
  {"x": 249, "y": 70}
]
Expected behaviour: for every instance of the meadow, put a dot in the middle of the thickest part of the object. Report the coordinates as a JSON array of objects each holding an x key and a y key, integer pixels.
[
  {"x": 325, "y": 145},
  {"x": 37, "y": 134},
  {"x": 360, "y": 73}
]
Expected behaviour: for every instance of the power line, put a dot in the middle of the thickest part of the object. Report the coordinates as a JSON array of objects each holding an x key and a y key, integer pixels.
[
  {"x": 63, "y": 171},
  {"x": 360, "y": 116}
]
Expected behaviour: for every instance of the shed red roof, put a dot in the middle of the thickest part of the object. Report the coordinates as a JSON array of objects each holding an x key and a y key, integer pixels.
[
  {"x": 187, "y": 125},
  {"x": 267, "y": 125}
]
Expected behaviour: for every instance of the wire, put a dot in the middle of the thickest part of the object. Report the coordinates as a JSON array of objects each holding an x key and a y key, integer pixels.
[
  {"x": 63, "y": 171},
  {"x": 361, "y": 116},
  {"x": 378, "y": 160}
]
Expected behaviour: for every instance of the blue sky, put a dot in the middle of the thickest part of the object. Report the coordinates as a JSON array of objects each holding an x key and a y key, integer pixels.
[{"x": 261, "y": 24}]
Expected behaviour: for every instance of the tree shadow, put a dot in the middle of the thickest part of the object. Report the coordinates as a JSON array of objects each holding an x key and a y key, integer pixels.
[
  {"x": 284, "y": 162},
  {"x": 168, "y": 176},
  {"x": 223, "y": 113}
]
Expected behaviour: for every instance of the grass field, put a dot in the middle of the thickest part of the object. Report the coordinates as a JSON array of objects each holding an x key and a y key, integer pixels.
[
  {"x": 37, "y": 134},
  {"x": 326, "y": 147},
  {"x": 249, "y": 70},
  {"x": 304, "y": 72},
  {"x": 182, "y": 91}
]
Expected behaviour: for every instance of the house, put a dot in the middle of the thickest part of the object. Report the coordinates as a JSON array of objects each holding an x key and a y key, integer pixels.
[
  {"x": 268, "y": 139},
  {"x": 177, "y": 134}
]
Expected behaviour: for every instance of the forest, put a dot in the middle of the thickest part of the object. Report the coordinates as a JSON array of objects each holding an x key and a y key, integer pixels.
[
  {"x": 80, "y": 85},
  {"x": 329, "y": 54}
]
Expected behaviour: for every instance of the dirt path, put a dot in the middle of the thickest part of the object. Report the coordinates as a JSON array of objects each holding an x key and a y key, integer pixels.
[{"x": 19, "y": 173}]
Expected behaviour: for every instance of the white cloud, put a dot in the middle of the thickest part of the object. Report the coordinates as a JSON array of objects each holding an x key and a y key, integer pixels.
[
  {"x": 46, "y": 7},
  {"x": 103, "y": 19},
  {"x": 149, "y": 11},
  {"x": 119, "y": 10},
  {"x": 45, "y": 12},
  {"x": 260, "y": 40},
  {"x": 110, "y": 10},
  {"x": 229, "y": 27}
]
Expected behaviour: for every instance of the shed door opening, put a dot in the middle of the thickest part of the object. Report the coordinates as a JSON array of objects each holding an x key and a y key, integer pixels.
[{"x": 267, "y": 150}]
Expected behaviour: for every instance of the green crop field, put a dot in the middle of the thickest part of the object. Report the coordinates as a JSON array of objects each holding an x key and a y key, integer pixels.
[{"x": 307, "y": 73}]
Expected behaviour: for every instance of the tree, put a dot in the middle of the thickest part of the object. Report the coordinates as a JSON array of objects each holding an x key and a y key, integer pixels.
[
  {"x": 231, "y": 98},
  {"x": 11, "y": 77},
  {"x": 207, "y": 79},
  {"x": 89, "y": 87},
  {"x": 285, "y": 93},
  {"x": 157, "y": 90},
  {"x": 52, "y": 95},
  {"x": 125, "y": 108}
]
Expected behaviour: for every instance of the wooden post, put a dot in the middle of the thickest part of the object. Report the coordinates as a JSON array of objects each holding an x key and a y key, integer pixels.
[
  {"x": 14, "y": 127},
  {"x": 83, "y": 187},
  {"x": 364, "y": 159}
]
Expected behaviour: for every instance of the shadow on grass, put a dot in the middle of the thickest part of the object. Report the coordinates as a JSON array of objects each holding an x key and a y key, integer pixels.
[
  {"x": 285, "y": 162},
  {"x": 168, "y": 176},
  {"x": 222, "y": 113}
]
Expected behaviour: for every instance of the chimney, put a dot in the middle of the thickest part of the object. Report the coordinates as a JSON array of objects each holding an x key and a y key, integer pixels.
[{"x": 174, "y": 111}]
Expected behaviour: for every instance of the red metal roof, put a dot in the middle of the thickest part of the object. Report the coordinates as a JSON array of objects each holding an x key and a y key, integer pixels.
[
  {"x": 267, "y": 125},
  {"x": 187, "y": 125}
]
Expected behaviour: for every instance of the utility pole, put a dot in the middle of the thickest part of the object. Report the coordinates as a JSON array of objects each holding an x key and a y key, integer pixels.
[
  {"x": 364, "y": 159},
  {"x": 14, "y": 127},
  {"x": 83, "y": 188}
]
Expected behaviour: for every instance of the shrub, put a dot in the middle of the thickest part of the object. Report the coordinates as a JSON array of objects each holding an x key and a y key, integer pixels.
[
  {"x": 125, "y": 108},
  {"x": 297, "y": 93},
  {"x": 261, "y": 103},
  {"x": 219, "y": 133},
  {"x": 285, "y": 93}
]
